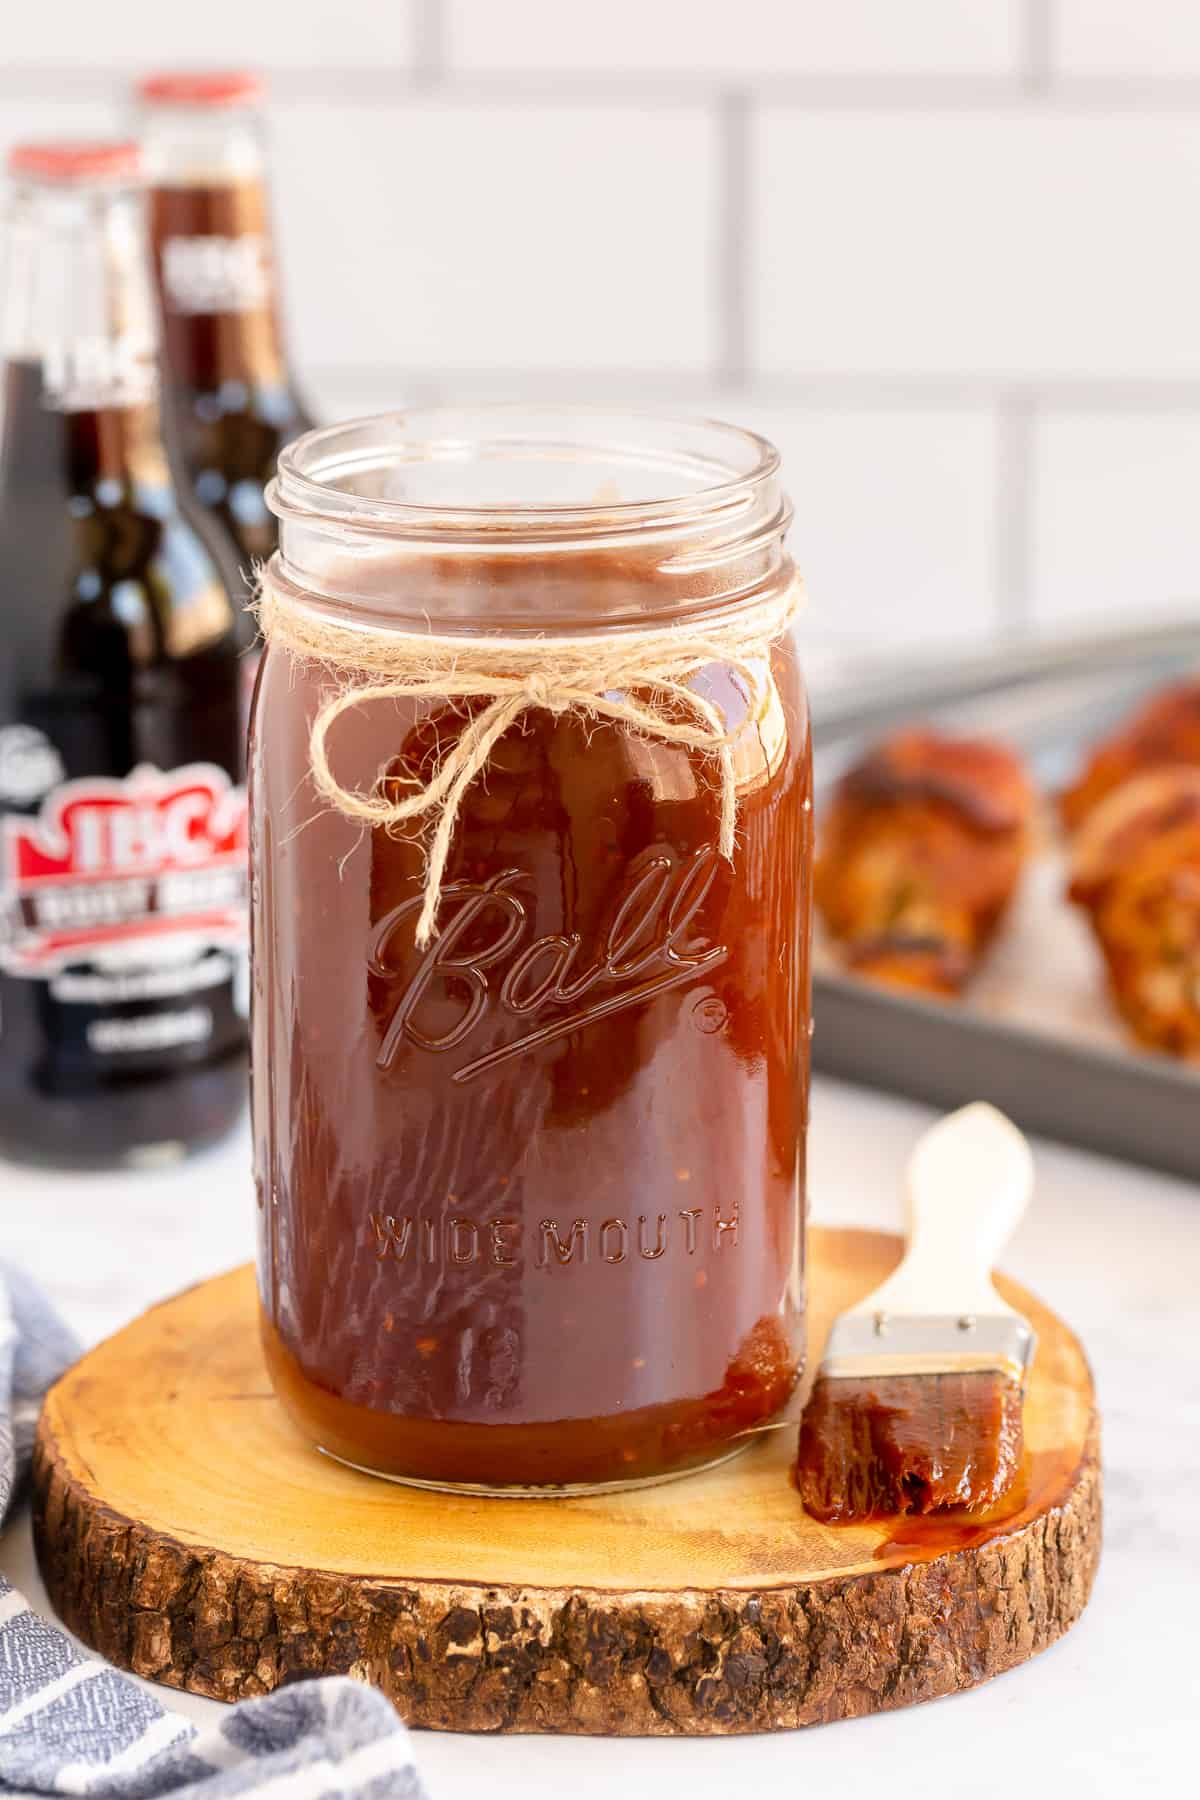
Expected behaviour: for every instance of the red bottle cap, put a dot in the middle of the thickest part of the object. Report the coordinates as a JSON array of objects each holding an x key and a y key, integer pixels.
[
  {"x": 68, "y": 160},
  {"x": 201, "y": 87}
]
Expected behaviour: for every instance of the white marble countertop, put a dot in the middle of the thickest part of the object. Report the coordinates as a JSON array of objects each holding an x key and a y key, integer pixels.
[{"x": 1110, "y": 1710}]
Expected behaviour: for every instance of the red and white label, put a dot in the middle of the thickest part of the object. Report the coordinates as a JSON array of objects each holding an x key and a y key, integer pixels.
[{"x": 125, "y": 873}]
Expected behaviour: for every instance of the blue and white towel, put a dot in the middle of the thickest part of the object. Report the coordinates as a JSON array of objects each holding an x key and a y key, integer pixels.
[{"x": 71, "y": 1725}]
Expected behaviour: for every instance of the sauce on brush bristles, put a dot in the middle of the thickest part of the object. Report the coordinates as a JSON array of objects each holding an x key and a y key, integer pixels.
[{"x": 908, "y": 1444}]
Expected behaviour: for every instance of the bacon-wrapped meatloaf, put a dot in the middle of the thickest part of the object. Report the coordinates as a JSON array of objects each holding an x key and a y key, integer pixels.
[
  {"x": 1164, "y": 731},
  {"x": 920, "y": 854},
  {"x": 1136, "y": 869}
]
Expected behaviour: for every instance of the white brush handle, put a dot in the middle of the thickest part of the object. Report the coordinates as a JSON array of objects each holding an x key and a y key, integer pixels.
[{"x": 969, "y": 1182}]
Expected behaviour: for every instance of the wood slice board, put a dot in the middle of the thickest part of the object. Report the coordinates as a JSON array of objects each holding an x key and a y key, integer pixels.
[{"x": 186, "y": 1531}]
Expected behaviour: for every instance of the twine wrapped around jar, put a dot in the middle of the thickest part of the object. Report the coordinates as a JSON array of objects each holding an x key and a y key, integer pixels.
[{"x": 636, "y": 678}]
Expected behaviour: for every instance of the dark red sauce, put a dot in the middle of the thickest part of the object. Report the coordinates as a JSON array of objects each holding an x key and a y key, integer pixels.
[{"x": 530, "y": 1200}]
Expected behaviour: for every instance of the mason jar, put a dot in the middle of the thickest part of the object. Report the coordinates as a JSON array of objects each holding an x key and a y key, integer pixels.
[{"x": 531, "y": 1026}]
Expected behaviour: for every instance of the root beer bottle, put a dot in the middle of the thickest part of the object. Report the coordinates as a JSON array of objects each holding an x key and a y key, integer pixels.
[
  {"x": 122, "y": 811},
  {"x": 230, "y": 401}
]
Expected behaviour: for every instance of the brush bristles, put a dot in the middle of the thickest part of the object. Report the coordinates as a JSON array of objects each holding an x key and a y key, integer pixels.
[{"x": 908, "y": 1444}]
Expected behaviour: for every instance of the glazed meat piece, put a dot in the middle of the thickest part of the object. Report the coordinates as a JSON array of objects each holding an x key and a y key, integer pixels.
[
  {"x": 920, "y": 854},
  {"x": 1165, "y": 730},
  {"x": 1136, "y": 870}
]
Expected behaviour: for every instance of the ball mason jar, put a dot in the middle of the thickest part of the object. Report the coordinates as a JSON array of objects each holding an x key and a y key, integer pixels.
[{"x": 531, "y": 1196}]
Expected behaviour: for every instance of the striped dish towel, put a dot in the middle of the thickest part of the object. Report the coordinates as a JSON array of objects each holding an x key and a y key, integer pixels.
[{"x": 71, "y": 1725}]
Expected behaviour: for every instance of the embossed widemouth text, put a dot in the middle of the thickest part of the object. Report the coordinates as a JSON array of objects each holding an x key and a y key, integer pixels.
[{"x": 461, "y": 1240}]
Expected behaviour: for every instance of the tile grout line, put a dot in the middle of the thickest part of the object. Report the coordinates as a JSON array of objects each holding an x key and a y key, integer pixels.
[
  {"x": 1013, "y": 550},
  {"x": 1032, "y": 89},
  {"x": 845, "y": 390},
  {"x": 732, "y": 242},
  {"x": 1037, "y": 50},
  {"x": 429, "y": 44}
]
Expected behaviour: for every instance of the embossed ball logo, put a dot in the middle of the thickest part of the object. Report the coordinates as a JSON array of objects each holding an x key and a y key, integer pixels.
[{"x": 552, "y": 984}]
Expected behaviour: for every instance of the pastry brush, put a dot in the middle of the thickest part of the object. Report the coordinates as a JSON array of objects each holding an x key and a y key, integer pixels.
[{"x": 917, "y": 1401}]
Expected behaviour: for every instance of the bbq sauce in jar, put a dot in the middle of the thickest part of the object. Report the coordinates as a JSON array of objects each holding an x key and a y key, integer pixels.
[{"x": 531, "y": 1195}]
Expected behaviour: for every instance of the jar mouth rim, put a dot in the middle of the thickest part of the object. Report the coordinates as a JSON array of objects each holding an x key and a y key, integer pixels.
[{"x": 315, "y": 472}]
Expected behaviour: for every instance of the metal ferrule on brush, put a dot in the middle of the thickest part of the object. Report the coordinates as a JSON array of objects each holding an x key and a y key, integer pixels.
[{"x": 873, "y": 1346}]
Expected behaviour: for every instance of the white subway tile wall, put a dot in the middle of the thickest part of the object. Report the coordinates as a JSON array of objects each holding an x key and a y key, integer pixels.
[
  {"x": 1125, "y": 40},
  {"x": 752, "y": 38},
  {"x": 896, "y": 521},
  {"x": 945, "y": 254},
  {"x": 1009, "y": 242},
  {"x": 1115, "y": 520},
  {"x": 433, "y": 233},
  {"x": 50, "y": 118},
  {"x": 136, "y": 34}
]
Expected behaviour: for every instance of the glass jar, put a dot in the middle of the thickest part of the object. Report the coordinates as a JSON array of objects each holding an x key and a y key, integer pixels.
[{"x": 531, "y": 1197}]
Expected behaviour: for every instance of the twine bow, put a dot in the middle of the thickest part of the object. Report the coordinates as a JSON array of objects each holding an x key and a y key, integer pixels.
[{"x": 637, "y": 679}]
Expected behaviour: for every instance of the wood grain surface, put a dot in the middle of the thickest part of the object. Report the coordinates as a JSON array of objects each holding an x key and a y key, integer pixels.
[{"x": 186, "y": 1531}]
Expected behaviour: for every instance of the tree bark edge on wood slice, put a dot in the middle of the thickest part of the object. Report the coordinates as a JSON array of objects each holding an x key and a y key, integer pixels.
[
  {"x": 527, "y": 1657},
  {"x": 487, "y": 1659}
]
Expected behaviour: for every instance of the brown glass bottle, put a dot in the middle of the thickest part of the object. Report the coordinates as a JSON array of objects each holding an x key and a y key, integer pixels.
[
  {"x": 231, "y": 401},
  {"x": 122, "y": 815}
]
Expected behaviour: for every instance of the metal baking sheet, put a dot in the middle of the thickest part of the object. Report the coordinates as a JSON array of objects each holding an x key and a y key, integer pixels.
[{"x": 1034, "y": 1033}]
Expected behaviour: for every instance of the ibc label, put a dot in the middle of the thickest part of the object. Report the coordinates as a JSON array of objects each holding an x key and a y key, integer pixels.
[{"x": 138, "y": 879}]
